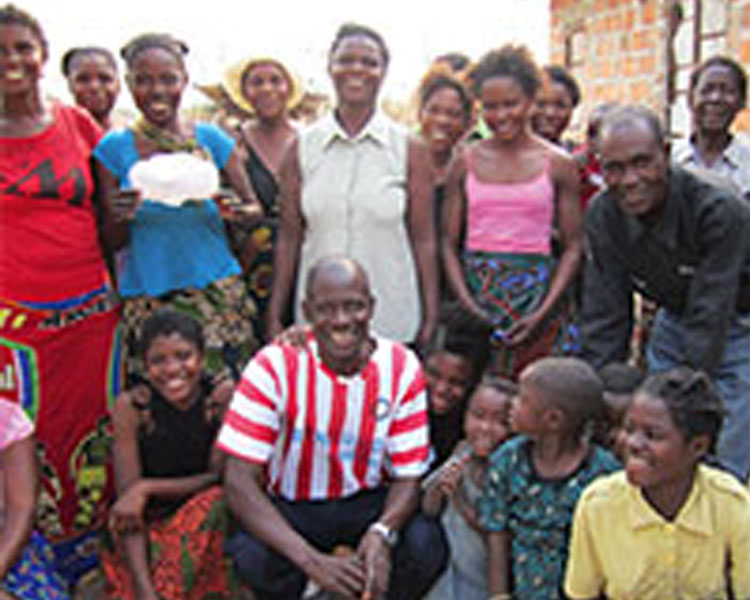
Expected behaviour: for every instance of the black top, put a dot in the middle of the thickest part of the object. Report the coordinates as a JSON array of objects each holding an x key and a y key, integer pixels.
[
  {"x": 175, "y": 443},
  {"x": 263, "y": 181},
  {"x": 693, "y": 259}
]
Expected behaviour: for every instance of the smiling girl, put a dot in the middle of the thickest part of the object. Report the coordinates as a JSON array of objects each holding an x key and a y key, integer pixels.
[
  {"x": 176, "y": 255},
  {"x": 668, "y": 527},
  {"x": 505, "y": 192},
  {"x": 168, "y": 523}
]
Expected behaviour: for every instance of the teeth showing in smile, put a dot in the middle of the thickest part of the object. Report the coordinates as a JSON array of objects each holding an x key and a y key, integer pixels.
[{"x": 14, "y": 75}]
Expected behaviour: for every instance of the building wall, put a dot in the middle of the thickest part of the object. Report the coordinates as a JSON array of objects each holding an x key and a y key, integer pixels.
[{"x": 619, "y": 50}]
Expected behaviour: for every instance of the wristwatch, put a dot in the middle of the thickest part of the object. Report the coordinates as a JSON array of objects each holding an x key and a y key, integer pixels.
[{"x": 390, "y": 536}]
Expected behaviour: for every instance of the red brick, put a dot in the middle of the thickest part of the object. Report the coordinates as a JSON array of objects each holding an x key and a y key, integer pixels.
[
  {"x": 640, "y": 91},
  {"x": 628, "y": 66},
  {"x": 647, "y": 65},
  {"x": 648, "y": 12},
  {"x": 641, "y": 40},
  {"x": 628, "y": 20}
]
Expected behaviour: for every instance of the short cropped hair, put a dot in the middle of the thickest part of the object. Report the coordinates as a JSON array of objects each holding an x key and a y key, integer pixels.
[
  {"x": 436, "y": 80},
  {"x": 633, "y": 113},
  {"x": 560, "y": 75},
  {"x": 167, "y": 322},
  {"x": 12, "y": 15},
  {"x": 146, "y": 41},
  {"x": 67, "y": 60},
  {"x": 348, "y": 30},
  {"x": 568, "y": 384},
  {"x": 740, "y": 77}
]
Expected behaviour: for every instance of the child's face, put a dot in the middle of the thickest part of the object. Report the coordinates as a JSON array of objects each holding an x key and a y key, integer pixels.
[
  {"x": 174, "y": 366},
  {"x": 487, "y": 423},
  {"x": 527, "y": 412},
  {"x": 448, "y": 377},
  {"x": 657, "y": 453}
]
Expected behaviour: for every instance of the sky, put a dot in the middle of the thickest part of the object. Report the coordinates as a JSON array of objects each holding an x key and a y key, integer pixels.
[{"x": 220, "y": 32}]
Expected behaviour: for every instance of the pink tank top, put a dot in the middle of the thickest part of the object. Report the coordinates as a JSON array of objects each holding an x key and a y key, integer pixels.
[{"x": 514, "y": 218}]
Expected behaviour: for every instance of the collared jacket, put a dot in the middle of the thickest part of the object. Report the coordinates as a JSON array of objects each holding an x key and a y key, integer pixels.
[{"x": 693, "y": 259}]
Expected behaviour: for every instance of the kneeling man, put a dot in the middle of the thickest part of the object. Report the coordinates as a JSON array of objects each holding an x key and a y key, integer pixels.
[{"x": 326, "y": 445}]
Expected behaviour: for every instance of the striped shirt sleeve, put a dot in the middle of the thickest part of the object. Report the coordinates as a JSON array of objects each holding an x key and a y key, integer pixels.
[
  {"x": 251, "y": 424},
  {"x": 408, "y": 440}
]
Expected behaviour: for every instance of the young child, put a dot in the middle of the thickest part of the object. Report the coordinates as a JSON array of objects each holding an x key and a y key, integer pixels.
[
  {"x": 455, "y": 488},
  {"x": 27, "y": 570},
  {"x": 619, "y": 381},
  {"x": 169, "y": 520},
  {"x": 533, "y": 481},
  {"x": 667, "y": 527},
  {"x": 452, "y": 366}
]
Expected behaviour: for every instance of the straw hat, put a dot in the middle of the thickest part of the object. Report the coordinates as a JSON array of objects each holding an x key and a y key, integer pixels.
[{"x": 234, "y": 76}]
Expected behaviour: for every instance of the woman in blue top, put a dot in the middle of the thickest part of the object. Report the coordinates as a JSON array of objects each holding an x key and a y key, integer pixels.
[{"x": 175, "y": 255}]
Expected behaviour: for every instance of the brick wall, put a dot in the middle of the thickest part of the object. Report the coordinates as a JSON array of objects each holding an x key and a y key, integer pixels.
[{"x": 617, "y": 49}]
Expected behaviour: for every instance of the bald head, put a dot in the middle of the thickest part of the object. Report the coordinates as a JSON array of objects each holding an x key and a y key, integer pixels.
[{"x": 339, "y": 271}]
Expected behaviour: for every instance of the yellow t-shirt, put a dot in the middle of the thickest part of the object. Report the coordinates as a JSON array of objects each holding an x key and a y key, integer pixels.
[{"x": 622, "y": 547}]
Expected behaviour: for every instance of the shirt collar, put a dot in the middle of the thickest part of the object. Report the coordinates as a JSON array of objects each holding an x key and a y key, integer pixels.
[
  {"x": 733, "y": 155},
  {"x": 376, "y": 129},
  {"x": 695, "y": 515}
]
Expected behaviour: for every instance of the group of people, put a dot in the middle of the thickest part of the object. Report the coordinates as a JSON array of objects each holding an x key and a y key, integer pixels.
[{"x": 347, "y": 359}]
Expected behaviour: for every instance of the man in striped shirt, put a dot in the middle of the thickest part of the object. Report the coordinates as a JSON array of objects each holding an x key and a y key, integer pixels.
[{"x": 326, "y": 443}]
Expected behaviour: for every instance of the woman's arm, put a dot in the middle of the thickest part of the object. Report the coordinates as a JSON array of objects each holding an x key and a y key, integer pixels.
[
  {"x": 565, "y": 178},
  {"x": 117, "y": 208},
  {"x": 454, "y": 214},
  {"x": 289, "y": 238},
  {"x": 19, "y": 467},
  {"x": 422, "y": 234},
  {"x": 249, "y": 209}
]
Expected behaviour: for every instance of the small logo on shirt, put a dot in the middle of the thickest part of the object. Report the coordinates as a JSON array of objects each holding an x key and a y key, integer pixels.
[{"x": 382, "y": 408}]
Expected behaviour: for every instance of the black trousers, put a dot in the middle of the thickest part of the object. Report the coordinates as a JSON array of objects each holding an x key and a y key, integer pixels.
[{"x": 418, "y": 559}]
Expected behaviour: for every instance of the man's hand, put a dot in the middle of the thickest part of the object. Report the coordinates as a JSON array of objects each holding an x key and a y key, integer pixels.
[
  {"x": 340, "y": 575},
  {"x": 375, "y": 555}
]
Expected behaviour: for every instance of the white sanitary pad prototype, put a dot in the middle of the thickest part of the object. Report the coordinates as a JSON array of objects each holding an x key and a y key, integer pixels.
[{"x": 175, "y": 178}]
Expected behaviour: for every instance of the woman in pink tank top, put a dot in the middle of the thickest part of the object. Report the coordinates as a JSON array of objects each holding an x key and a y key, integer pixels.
[{"x": 504, "y": 193}]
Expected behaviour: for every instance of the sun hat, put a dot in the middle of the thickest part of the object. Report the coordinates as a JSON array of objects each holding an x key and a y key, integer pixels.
[{"x": 235, "y": 75}]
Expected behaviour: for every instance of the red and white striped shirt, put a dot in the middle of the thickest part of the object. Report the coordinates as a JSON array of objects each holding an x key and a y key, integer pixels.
[{"x": 323, "y": 435}]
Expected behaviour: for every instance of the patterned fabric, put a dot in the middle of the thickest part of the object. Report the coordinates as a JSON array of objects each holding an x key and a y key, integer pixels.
[
  {"x": 61, "y": 364},
  {"x": 510, "y": 286},
  {"x": 186, "y": 551},
  {"x": 537, "y": 512},
  {"x": 327, "y": 436},
  {"x": 253, "y": 244},
  {"x": 222, "y": 308},
  {"x": 33, "y": 577}
]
